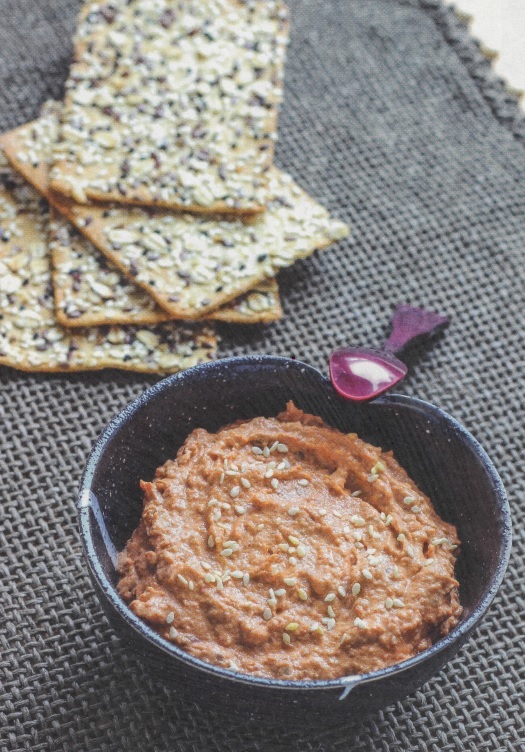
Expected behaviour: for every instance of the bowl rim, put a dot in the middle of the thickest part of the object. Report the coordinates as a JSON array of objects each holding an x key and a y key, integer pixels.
[{"x": 457, "y": 635}]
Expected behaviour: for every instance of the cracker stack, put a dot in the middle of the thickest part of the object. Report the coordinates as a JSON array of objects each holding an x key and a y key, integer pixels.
[{"x": 166, "y": 208}]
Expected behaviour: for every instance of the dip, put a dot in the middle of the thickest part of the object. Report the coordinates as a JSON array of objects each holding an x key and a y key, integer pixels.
[{"x": 283, "y": 548}]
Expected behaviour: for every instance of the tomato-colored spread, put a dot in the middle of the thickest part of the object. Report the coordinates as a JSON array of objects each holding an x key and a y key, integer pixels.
[{"x": 283, "y": 548}]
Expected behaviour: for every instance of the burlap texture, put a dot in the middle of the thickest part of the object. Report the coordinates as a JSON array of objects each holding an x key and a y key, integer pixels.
[{"x": 393, "y": 119}]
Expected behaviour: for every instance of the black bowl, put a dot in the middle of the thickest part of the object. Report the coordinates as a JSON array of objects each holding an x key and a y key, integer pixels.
[{"x": 441, "y": 456}]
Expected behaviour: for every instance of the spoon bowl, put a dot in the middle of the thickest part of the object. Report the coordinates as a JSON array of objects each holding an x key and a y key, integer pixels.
[{"x": 361, "y": 374}]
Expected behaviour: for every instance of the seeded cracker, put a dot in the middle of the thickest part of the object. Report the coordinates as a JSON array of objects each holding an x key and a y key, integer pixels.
[
  {"x": 89, "y": 289},
  {"x": 173, "y": 104},
  {"x": 192, "y": 265},
  {"x": 189, "y": 265},
  {"x": 32, "y": 340},
  {"x": 260, "y": 305}
]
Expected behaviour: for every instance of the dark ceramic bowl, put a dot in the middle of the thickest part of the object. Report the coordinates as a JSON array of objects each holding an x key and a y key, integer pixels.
[{"x": 441, "y": 456}]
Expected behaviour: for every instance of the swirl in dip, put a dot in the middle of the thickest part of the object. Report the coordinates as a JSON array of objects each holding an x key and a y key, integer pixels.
[{"x": 281, "y": 547}]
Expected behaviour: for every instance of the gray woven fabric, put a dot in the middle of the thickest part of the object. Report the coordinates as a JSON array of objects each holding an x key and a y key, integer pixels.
[{"x": 394, "y": 120}]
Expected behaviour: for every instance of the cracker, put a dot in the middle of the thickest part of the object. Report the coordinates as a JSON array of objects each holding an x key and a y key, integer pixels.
[
  {"x": 189, "y": 264},
  {"x": 261, "y": 305},
  {"x": 16, "y": 195},
  {"x": 91, "y": 291},
  {"x": 192, "y": 265},
  {"x": 173, "y": 105},
  {"x": 32, "y": 340}
]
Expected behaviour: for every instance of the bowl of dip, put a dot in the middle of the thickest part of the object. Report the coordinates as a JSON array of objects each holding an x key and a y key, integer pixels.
[{"x": 441, "y": 458}]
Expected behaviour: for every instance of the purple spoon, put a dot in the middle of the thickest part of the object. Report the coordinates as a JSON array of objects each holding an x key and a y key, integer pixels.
[{"x": 361, "y": 374}]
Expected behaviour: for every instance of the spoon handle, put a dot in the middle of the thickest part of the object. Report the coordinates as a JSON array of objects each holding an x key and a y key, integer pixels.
[{"x": 409, "y": 322}]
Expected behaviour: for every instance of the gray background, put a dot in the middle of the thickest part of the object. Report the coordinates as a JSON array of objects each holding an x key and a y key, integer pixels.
[{"x": 394, "y": 120}]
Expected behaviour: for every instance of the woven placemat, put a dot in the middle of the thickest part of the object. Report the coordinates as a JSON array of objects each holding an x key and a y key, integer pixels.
[{"x": 394, "y": 120}]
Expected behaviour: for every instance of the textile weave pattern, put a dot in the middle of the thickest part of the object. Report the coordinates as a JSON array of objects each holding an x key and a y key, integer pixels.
[{"x": 393, "y": 120}]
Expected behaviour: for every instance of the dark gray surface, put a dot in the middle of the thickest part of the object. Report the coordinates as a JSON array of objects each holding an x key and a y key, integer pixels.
[{"x": 394, "y": 120}]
